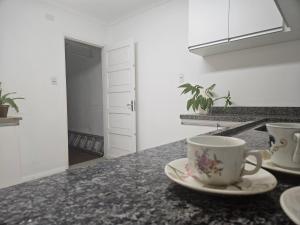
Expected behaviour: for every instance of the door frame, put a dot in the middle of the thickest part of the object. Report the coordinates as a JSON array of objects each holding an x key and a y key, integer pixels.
[{"x": 101, "y": 46}]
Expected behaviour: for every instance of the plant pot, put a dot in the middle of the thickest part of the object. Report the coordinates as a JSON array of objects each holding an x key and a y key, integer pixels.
[
  {"x": 3, "y": 110},
  {"x": 203, "y": 112}
]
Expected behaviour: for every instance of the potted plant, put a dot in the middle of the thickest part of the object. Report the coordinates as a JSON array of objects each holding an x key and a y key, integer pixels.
[
  {"x": 203, "y": 99},
  {"x": 6, "y": 102}
]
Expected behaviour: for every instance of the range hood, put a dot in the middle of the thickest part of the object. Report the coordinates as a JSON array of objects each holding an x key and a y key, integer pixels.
[{"x": 290, "y": 11}]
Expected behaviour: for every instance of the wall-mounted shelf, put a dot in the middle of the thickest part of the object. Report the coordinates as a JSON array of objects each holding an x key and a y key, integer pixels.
[{"x": 10, "y": 121}]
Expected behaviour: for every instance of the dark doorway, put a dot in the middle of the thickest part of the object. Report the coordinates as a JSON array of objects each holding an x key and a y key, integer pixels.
[{"x": 84, "y": 97}]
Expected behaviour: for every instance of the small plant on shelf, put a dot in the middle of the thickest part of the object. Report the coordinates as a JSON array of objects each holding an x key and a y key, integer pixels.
[
  {"x": 6, "y": 102},
  {"x": 203, "y": 98}
]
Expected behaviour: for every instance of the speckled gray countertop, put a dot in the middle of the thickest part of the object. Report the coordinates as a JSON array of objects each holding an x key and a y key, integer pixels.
[
  {"x": 134, "y": 190},
  {"x": 244, "y": 114}
]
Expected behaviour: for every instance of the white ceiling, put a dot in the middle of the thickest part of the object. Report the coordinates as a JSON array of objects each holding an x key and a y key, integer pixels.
[{"x": 108, "y": 11}]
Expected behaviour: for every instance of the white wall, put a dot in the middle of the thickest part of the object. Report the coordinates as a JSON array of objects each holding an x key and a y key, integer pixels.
[
  {"x": 84, "y": 88},
  {"x": 32, "y": 52},
  {"x": 267, "y": 76}
]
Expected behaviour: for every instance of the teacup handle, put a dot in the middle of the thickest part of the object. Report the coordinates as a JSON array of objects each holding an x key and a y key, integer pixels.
[
  {"x": 257, "y": 154},
  {"x": 296, "y": 155}
]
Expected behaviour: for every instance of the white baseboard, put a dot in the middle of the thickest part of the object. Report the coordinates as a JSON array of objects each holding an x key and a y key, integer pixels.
[
  {"x": 43, "y": 174},
  {"x": 33, "y": 177},
  {"x": 10, "y": 184}
]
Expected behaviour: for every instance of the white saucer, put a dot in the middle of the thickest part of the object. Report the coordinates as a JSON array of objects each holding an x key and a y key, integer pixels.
[
  {"x": 290, "y": 203},
  {"x": 261, "y": 182},
  {"x": 268, "y": 164}
]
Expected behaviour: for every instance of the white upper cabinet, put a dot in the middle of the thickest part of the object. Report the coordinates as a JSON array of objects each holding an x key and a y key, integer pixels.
[
  {"x": 290, "y": 11},
  {"x": 208, "y": 22},
  {"x": 218, "y": 26},
  {"x": 253, "y": 17}
]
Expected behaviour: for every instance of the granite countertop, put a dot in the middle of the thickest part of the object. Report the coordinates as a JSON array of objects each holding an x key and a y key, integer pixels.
[
  {"x": 134, "y": 190},
  {"x": 9, "y": 121},
  {"x": 246, "y": 117}
]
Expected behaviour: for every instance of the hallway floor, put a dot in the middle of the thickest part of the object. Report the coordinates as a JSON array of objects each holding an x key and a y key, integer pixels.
[{"x": 79, "y": 156}]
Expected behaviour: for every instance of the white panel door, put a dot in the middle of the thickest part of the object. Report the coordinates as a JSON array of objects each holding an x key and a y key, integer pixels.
[
  {"x": 119, "y": 99},
  {"x": 208, "y": 21},
  {"x": 250, "y": 17}
]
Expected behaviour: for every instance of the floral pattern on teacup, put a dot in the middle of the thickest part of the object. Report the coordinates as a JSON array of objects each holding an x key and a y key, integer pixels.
[
  {"x": 207, "y": 165},
  {"x": 273, "y": 147}
]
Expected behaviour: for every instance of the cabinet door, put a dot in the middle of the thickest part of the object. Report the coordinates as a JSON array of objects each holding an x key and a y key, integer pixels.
[
  {"x": 208, "y": 21},
  {"x": 253, "y": 17}
]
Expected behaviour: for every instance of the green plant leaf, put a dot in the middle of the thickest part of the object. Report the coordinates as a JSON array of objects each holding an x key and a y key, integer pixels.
[
  {"x": 211, "y": 87},
  {"x": 4, "y": 99},
  {"x": 209, "y": 94},
  {"x": 205, "y": 101},
  {"x": 200, "y": 101},
  {"x": 4, "y": 96},
  {"x": 193, "y": 107},
  {"x": 184, "y": 85},
  {"x": 193, "y": 90},
  {"x": 197, "y": 92},
  {"x": 197, "y": 103},
  {"x": 210, "y": 103},
  {"x": 198, "y": 86},
  {"x": 18, "y": 98},
  {"x": 12, "y": 103},
  {"x": 189, "y": 103},
  {"x": 186, "y": 90}
]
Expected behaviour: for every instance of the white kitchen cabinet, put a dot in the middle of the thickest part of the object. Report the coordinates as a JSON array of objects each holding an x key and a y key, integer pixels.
[
  {"x": 253, "y": 17},
  {"x": 208, "y": 22},
  {"x": 10, "y": 171},
  {"x": 290, "y": 11},
  {"x": 219, "y": 26}
]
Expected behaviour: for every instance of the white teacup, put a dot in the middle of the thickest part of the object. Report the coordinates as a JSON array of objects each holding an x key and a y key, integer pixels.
[
  {"x": 285, "y": 144},
  {"x": 218, "y": 160}
]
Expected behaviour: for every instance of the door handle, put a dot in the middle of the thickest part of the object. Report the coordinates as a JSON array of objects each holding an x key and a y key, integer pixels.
[{"x": 131, "y": 105}]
